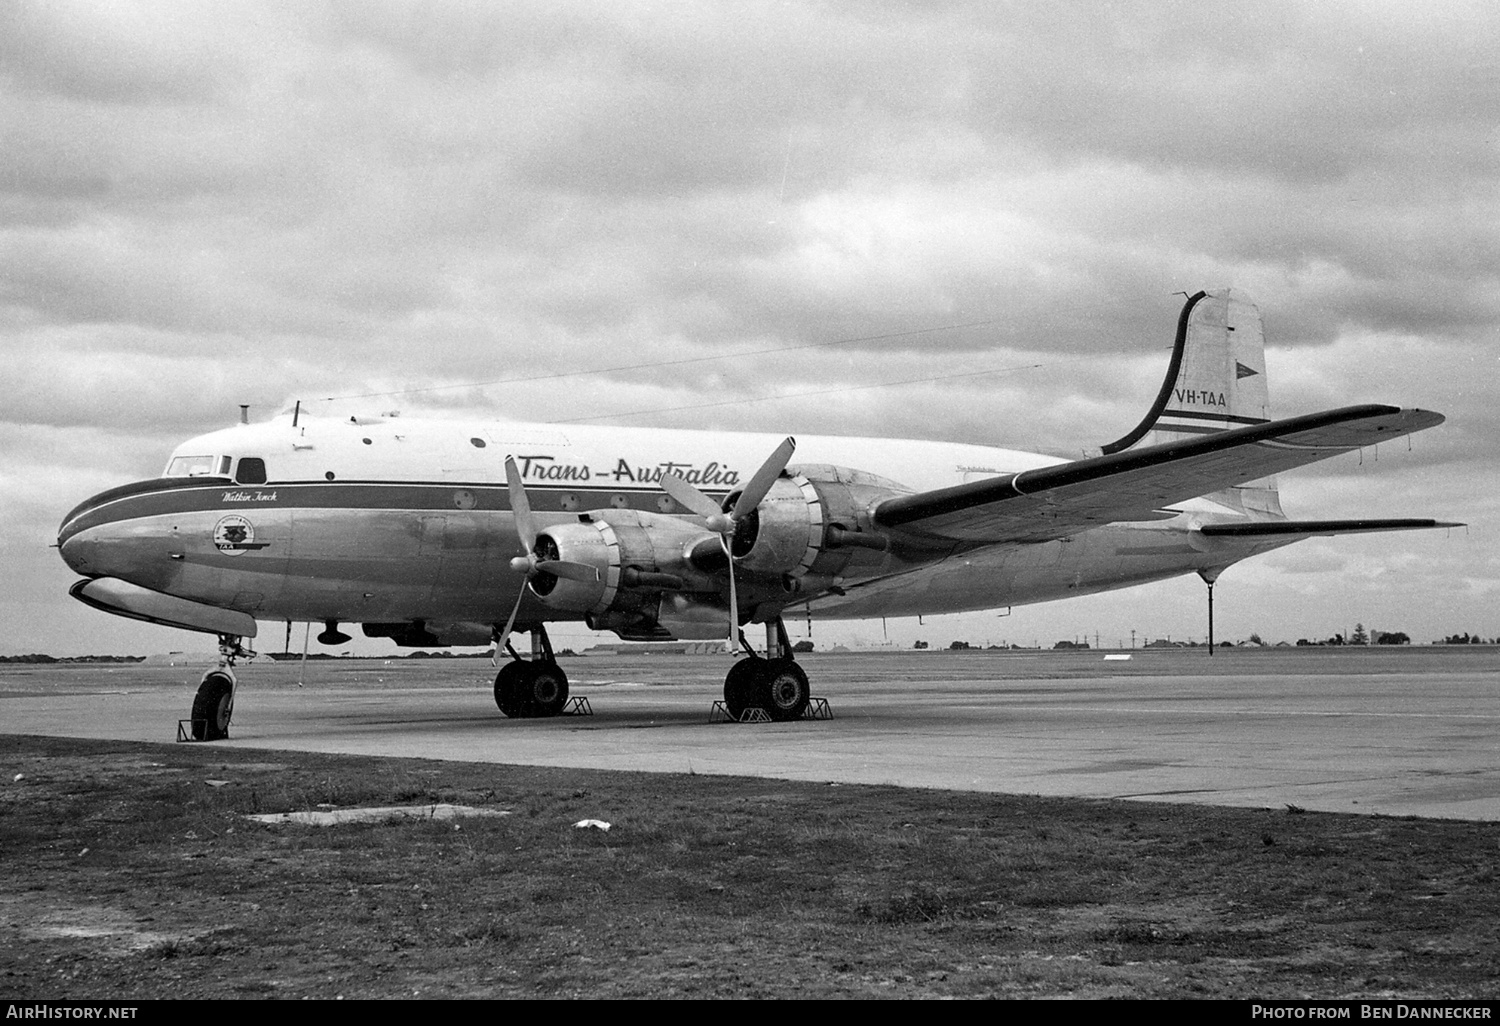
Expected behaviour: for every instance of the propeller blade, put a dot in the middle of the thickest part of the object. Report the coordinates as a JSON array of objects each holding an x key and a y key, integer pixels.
[
  {"x": 734, "y": 601},
  {"x": 520, "y": 506},
  {"x": 689, "y": 495},
  {"x": 505, "y": 634},
  {"x": 756, "y": 489},
  {"x": 568, "y": 570}
]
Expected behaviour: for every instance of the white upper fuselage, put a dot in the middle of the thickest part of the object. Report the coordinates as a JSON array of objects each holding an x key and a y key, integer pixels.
[{"x": 582, "y": 457}]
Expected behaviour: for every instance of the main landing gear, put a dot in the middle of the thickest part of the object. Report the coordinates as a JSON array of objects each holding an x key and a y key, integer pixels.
[
  {"x": 213, "y": 706},
  {"x": 773, "y": 683},
  {"x": 532, "y": 687}
]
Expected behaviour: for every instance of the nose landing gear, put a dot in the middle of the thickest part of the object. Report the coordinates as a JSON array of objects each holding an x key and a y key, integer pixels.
[{"x": 213, "y": 706}]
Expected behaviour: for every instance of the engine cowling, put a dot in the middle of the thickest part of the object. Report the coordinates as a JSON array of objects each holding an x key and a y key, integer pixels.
[
  {"x": 634, "y": 552},
  {"x": 806, "y": 526}
]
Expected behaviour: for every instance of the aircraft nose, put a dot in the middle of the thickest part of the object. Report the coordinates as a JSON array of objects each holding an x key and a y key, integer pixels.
[
  {"x": 80, "y": 551},
  {"x": 88, "y": 536},
  {"x": 121, "y": 533}
]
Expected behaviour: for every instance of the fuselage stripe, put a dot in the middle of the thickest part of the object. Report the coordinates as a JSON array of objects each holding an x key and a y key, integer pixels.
[{"x": 455, "y": 497}]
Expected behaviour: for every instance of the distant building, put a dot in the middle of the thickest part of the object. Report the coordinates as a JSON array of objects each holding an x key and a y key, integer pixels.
[
  {"x": 204, "y": 658},
  {"x": 657, "y": 648}
]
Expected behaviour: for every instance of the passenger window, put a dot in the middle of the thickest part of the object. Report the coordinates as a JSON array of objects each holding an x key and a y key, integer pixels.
[
  {"x": 252, "y": 470},
  {"x": 223, "y": 470}
]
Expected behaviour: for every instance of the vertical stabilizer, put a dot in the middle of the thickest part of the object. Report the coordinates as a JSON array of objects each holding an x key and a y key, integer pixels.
[{"x": 1216, "y": 380}]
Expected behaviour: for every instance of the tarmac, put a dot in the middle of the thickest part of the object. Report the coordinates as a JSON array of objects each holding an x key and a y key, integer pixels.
[{"x": 1411, "y": 732}]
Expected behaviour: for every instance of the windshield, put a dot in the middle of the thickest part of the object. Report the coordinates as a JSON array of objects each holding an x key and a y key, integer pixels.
[{"x": 196, "y": 466}]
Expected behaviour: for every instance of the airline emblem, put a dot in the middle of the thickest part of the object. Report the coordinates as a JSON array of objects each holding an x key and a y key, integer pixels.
[{"x": 234, "y": 534}]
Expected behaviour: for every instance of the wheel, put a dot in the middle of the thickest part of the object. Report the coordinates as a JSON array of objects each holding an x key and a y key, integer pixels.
[
  {"x": 531, "y": 689},
  {"x": 547, "y": 689},
  {"x": 784, "y": 691},
  {"x": 739, "y": 686},
  {"x": 213, "y": 706},
  {"x": 510, "y": 688}
]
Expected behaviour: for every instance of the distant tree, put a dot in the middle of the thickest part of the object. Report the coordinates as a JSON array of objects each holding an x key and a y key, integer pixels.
[
  {"x": 1360, "y": 637},
  {"x": 956, "y": 645},
  {"x": 1304, "y": 643},
  {"x": 920, "y": 644},
  {"x": 1392, "y": 638},
  {"x": 1255, "y": 640},
  {"x": 803, "y": 646}
]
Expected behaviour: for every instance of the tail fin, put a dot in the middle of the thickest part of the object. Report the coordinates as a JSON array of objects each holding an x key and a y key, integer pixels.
[{"x": 1216, "y": 380}]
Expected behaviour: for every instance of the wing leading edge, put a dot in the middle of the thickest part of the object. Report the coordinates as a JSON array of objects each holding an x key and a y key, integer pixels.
[{"x": 1052, "y": 502}]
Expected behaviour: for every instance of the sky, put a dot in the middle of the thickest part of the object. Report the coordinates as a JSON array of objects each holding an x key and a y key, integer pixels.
[{"x": 957, "y": 221}]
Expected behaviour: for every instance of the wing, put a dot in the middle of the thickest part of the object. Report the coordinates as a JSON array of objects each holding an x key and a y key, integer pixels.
[{"x": 1052, "y": 502}]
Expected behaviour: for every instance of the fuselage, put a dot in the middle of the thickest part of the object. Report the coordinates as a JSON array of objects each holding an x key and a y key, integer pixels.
[{"x": 389, "y": 520}]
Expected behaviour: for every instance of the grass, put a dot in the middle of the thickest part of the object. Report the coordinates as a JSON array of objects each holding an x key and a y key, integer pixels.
[{"x": 128, "y": 875}]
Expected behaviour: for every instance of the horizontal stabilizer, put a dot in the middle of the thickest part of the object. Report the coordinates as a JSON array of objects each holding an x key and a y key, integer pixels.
[{"x": 1282, "y": 528}]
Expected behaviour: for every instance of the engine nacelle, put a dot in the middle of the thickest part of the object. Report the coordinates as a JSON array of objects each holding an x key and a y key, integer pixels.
[
  {"x": 808, "y": 523},
  {"x": 673, "y": 616},
  {"x": 635, "y": 553},
  {"x": 665, "y": 576}
]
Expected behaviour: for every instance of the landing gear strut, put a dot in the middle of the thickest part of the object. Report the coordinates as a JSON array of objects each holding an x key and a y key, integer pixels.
[
  {"x": 214, "y": 704},
  {"x": 775, "y": 683},
  {"x": 532, "y": 687}
]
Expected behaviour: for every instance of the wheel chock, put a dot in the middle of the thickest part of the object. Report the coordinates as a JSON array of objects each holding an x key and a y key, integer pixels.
[
  {"x": 720, "y": 714},
  {"x": 817, "y": 709},
  {"x": 186, "y": 733},
  {"x": 578, "y": 706}
]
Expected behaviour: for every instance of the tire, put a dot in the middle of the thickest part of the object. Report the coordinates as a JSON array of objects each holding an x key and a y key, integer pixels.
[
  {"x": 213, "y": 706},
  {"x": 740, "y": 692},
  {"x": 784, "y": 691},
  {"x": 510, "y": 689},
  {"x": 546, "y": 689}
]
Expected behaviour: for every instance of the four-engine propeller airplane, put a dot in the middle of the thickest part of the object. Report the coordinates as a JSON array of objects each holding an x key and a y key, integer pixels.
[{"x": 439, "y": 533}]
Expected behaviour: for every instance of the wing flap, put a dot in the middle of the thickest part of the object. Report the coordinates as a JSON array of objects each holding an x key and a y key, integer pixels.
[{"x": 1134, "y": 485}]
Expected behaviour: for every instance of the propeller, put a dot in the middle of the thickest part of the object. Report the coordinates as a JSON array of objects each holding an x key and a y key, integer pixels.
[
  {"x": 724, "y": 522},
  {"x": 531, "y": 564}
]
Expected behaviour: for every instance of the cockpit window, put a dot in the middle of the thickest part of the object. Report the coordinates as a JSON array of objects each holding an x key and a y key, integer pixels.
[
  {"x": 251, "y": 470},
  {"x": 191, "y": 466}
]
